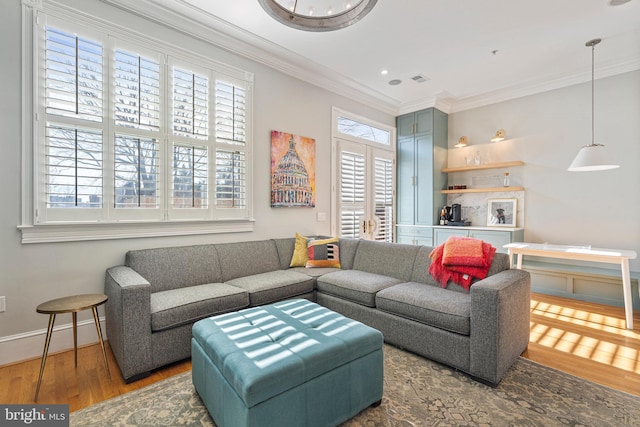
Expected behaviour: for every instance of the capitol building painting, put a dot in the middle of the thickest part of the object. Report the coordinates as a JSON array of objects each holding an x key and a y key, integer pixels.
[{"x": 293, "y": 170}]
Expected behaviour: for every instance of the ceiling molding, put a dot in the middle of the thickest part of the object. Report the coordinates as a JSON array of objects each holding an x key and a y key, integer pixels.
[
  {"x": 543, "y": 85},
  {"x": 189, "y": 20}
]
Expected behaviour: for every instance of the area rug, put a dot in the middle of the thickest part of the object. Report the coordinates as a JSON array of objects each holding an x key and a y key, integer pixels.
[{"x": 417, "y": 392}]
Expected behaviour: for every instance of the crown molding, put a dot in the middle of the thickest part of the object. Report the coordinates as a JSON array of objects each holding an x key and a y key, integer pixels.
[
  {"x": 186, "y": 18},
  {"x": 543, "y": 85},
  {"x": 195, "y": 22}
]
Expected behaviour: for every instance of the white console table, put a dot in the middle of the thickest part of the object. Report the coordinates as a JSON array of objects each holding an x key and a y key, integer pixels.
[{"x": 581, "y": 253}]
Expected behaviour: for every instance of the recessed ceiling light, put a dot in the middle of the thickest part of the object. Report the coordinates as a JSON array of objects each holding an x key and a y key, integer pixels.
[
  {"x": 384, "y": 72},
  {"x": 395, "y": 82}
]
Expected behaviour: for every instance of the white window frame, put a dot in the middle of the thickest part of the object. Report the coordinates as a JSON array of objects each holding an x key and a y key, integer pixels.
[
  {"x": 368, "y": 149},
  {"x": 109, "y": 222}
]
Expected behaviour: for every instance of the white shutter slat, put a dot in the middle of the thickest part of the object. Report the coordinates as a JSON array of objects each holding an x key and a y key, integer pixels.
[
  {"x": 230, "y": 115},
  {"x": 136, "y": 172},
  {"x": 384, "y": 198},
  {"x": 74, "y": 81},
  {"x": 230, "y": 181},
  {"x": 190, "y": 104},
  {"x": 137, "y": 91},
  {"x": 74, "y": 166},
  {"x": 190, "y": 177}
]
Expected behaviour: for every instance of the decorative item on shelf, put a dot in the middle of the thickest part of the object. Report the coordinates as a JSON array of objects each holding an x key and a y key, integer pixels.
[
  {"x": 477, "y": 159},
  {"x": 501, "y": 212},
  {"x": 505, "y": 180},
  {"x": 316, "y": 15},
  {"x": 499, "y": 136},
  {"x": 462, "y": 142},
  {"x": 592, "y": 157}
]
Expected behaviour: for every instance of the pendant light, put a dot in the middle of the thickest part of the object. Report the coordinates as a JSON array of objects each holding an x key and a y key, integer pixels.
[{"x": 592, "y": 157}]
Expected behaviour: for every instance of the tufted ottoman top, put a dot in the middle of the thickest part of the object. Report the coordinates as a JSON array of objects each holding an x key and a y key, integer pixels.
[{"x": 264, "y": 351}]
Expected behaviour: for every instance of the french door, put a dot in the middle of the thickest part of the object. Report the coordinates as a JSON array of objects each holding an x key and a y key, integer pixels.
[{"x": 364, "y": 191}]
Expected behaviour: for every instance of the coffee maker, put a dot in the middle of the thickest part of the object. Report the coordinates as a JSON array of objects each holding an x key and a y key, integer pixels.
[
  {"x": 455, "y": 218},
  {"x": 456, "y": 213}
]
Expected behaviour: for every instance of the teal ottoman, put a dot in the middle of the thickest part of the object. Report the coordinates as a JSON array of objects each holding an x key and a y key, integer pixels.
[{"x": 293, "y": 363}]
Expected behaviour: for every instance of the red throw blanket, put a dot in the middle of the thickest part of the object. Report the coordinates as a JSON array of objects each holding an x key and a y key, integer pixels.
[{"x": 466, "y": 259}]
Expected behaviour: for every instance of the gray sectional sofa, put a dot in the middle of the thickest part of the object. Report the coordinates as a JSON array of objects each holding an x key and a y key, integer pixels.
[{"x": 157, "y": 295}]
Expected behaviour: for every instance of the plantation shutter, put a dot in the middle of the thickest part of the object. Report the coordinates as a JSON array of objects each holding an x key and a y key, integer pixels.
[
  {"x": 190, "y": 177},
  {"x": 74, "y": 85},
  {"x": 231, "y": 113},
  {"x": 73, "y": 176},
  {"x": 190, "y": 104},
  {"x": 73, "y": 156},
  {"x": 137, "y": 91},
  {"x": 352, "y": 192},
  {"x": 384, "y": 188},
  {"x": 230, "y": 179},
  {"x": 230, "y": 138},
  {"x": 136, "y": 172}
]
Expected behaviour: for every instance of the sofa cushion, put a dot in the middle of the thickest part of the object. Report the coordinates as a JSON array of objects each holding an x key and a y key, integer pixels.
[
  {"x": 273, "y": 286},
  {"x": 315, "y": 272},
  {"x": 430, "y": 305},
  {"x": 348, "y": 249},
  {"x": 285, "y": 251},
  {"x": 176, "y": 267},
  {"x": 247, "y": 258},
  {"x": 354, "y": 285},
  {"x": 180, "y": 306},
  {"x": 388, "y": 259}
]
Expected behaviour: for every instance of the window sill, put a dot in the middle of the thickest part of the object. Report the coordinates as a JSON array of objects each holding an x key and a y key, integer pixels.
[{"x": 74, "y": 232}]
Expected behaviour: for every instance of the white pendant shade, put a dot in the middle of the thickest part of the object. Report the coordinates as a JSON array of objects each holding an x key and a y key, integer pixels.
[{"x": 592, "y": 158}]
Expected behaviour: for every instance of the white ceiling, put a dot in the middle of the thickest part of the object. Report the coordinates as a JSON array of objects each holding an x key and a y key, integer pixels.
[{"x": 474, "y": 52}]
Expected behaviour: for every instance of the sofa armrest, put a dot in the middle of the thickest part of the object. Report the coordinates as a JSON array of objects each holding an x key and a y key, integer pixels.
[
  {"x": 128, "y": 319},
  {"x": 500, "y": 315}
]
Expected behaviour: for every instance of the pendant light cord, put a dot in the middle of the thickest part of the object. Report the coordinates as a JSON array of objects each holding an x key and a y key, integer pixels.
[
  {"x": 593, "y": 102},
  {"x": 592, "y": 44}
]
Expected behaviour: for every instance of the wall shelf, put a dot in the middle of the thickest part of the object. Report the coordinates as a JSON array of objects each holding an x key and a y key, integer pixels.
[
  {"x": 484, "y": 166},
  {"x": 482, "y": 190}
]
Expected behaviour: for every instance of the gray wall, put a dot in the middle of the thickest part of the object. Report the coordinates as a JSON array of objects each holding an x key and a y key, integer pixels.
[
  {"x": 546, "y": 130},
  {"x": 33, "y": 273}
]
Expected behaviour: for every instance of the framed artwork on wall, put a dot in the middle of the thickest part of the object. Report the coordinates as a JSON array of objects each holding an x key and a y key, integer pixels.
[
  {"x": 293, "y": 170},
  {"x": 502, "y": 212}
]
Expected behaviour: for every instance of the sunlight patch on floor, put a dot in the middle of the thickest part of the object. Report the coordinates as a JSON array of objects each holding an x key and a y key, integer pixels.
[{"x": 626, "y": 358}]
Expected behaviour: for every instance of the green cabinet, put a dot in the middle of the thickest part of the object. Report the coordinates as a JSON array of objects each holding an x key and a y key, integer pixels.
[
  {"x": 421, "y": 156},
  {"x": 497, "y": 238},
  {"x": 414, "y": 235}
]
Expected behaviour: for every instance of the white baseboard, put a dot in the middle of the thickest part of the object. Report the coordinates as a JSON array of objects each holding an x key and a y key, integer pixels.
[{"x": 16, "y": 348}]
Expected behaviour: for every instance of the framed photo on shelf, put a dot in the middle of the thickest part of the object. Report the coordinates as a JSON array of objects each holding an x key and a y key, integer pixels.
[{"x": 502, "y": 212}]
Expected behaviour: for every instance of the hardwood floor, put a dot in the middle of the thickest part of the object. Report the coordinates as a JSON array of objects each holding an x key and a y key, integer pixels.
[{"x": 584, "y": 339}]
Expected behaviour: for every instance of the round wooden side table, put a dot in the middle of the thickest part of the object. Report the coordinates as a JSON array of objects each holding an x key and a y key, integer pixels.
[{"x": 71, "y": 304}]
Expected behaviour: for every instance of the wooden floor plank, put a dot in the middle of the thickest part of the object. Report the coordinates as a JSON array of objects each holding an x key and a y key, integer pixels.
[{"x": 583, "y": 339}]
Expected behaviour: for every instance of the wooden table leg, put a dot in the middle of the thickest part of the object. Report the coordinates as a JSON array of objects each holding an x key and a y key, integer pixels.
[
  {"x": 626, "y": 289},
  {"x": 75, "y": 337},
  {"x": 52, "y": 318},
  {"x": 99, "y": 329}
]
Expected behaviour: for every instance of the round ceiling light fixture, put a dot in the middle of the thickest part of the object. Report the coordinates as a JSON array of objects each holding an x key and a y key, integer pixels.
[{"x": 317, "y": 15}]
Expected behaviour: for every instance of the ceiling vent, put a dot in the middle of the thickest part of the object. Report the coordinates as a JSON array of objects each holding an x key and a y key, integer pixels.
[{"x": 419, "y": 78}]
